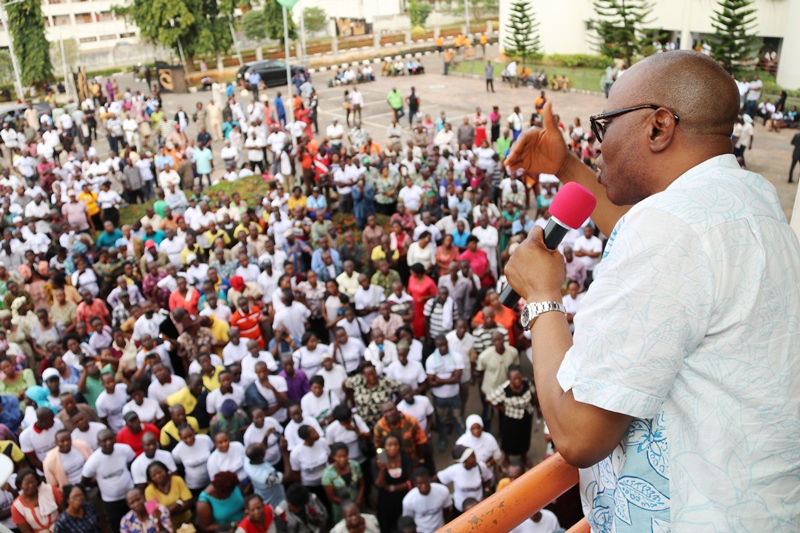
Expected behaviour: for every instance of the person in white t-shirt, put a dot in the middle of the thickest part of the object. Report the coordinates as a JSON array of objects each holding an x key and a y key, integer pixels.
[
  {"x": 588, "y": 249},
  {"x": 429, "y": 504},
  {"x": 410, "y": 373},
  {"x": 148, "y": 409},
  {"x": 193, "y": 452},
  {"x": 418, "y": 406},
  {"x": 542, "y": 522},
  {"x": 40, "y": 437},
  {"x": 227, "y": 390},
  {"x": 271, "y": 391},
  {"x": 348, "y": 350},
  {"x": 149, "y": 455},
  {"x": 228, "y": 457},
  {"x": 294, "y": 317},
  {"x": 109, "y": 467},
  {"x": 309, "y": 357},
  {"x": 310, "y": 458},
  {"x": 317, "y": 403},
  {"x": 164, "y": 384},
  {"x": 468, "y": 476},
  {"x": 461, "y": 341},
  {"x": 571, "y": 302},
  {"x": 111, "y": 401},
  {"x": 267, "y": 431},
  {"x": 297, "y": 418},
  {"x": 444, "y": 375},
  {"x": 85, "y": 430},
  {"x": 334, "y": 375},
  {"x": 66, "y": 458}
]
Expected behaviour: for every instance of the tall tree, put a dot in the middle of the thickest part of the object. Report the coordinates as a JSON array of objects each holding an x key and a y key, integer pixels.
[
  {"x": 619, "y": 27},
  {"x": 418, "y": 12},
  {"x": 26, "y": 23},
  {"x": 315, "y": 19},
  {"x": 734, "y": 45},
  {"x": 201, "y": 26},
  {"x": 523, "y": 31},
  {"x": 274, "y": 14}
]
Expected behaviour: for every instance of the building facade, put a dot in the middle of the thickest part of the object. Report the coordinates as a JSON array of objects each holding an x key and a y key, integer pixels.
[
  {"x": 91, "y": 23},
  {"x": 564, "y": 27}
]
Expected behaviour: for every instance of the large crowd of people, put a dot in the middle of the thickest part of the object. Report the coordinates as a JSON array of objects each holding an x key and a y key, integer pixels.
[{"x": 244, "y": 364}]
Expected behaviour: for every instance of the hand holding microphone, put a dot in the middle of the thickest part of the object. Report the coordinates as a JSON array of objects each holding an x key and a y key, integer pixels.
[{"x": 535, "y": 268}]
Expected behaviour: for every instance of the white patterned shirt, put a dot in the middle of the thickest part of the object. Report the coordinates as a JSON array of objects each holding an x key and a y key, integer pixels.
[{"x": 692, "y": 326}]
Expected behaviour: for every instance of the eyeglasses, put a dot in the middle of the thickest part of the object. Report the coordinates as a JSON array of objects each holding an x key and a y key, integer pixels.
[{"x": 599, "y": 122}]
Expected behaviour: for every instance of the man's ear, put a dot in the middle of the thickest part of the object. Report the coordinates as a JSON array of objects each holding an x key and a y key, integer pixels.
[{"x": 661, "y": 127}]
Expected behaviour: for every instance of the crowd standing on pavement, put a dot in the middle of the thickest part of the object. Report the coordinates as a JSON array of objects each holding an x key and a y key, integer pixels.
[{"x": 233, "y": 364}]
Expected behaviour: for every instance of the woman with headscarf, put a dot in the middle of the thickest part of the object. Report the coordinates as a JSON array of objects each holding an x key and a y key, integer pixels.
[{"x": 484, "y": 444}]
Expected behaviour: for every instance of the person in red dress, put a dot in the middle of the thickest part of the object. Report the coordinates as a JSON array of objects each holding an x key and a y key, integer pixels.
[{"x": 421, "y": 288}]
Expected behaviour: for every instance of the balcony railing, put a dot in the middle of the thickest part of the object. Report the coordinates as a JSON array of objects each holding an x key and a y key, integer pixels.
[{"x": 520, "y": 500}]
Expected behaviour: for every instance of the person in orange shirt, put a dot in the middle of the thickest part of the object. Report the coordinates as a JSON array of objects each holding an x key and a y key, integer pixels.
[
  {"x": 439, "y": 44},
  {"x": 502, "y": 315},
  {"x": 370, "y": 148}
]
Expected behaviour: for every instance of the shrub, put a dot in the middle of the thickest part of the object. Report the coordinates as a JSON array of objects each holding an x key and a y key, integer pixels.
[
  {"x": 577, "y": 60},
  {"x": 418, "y": 32}
]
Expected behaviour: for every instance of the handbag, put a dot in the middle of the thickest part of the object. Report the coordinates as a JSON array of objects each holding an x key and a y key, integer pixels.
[{"x": 345, "y": 105}]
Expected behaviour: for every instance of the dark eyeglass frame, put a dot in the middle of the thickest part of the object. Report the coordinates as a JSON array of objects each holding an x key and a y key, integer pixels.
[{"x": 599, "y": 122}]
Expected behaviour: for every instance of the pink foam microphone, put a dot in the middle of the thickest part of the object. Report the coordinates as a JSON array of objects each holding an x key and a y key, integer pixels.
[{"x": 571, "y": 207}]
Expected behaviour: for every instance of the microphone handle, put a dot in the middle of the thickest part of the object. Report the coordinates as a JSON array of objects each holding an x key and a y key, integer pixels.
[{"x": 554, "y": 233}]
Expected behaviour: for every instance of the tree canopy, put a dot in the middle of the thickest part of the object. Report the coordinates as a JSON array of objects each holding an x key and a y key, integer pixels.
[
  {"x": 26, "y": 23},
  {"x": 523, "y": 31},
  {"x": 734, "y": 45},
  {"x": 619, "y": 27}
]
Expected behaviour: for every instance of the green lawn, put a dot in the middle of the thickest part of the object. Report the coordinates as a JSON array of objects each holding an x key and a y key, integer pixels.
[{"x": 580, "y": 78}]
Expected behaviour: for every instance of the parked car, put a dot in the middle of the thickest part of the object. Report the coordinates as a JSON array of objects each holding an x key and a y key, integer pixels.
[
  {"x": 7, "y": 111},
  {"x": 272, "y": 72}
]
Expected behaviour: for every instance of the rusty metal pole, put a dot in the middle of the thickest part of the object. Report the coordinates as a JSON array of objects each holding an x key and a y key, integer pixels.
[{"x": 523, "y": 498}]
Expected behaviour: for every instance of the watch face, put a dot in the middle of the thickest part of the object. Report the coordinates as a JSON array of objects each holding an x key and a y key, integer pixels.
[{"x": 526, "y": 316}]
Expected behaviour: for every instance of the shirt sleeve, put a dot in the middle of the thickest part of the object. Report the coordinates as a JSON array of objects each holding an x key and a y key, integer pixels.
[
  {"x": 446, "y": 475},
  {"x": 648, "y": 309}
]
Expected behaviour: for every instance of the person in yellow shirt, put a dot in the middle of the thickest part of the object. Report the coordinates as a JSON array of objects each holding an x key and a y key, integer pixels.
[
  {"x": 219, "y": 329},
  {"x": 168, "y": 490},
  {"x": 297, "y": 199},
  {"x": 439, "y": 44},
  {"x": 209, "y": 372},
  {"x": 188, "y": 397},
  {"x": 484, "y": 42},
  {"x": 89, "y": 198},
  {"x": 448, "y": 59},
  {"x": 169, "y": 437},
  {"x": 215, "y": 233},
  {"x": 514, "y": 471}
]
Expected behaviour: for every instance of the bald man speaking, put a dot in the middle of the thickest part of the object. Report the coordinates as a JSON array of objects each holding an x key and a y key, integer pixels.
[{"x": 679, "y": 394}]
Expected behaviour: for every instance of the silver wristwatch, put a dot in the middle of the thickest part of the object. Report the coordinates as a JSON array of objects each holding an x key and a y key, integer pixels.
[{"x": 532, "y": 311}]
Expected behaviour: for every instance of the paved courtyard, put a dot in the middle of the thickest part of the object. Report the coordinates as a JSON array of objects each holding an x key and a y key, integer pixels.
[{"x": 458, "y": 97}]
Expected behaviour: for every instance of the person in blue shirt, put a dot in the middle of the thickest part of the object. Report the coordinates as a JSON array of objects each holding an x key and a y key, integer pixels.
[
  {"x": 109, "y": 237},
  {"x": 253, "y": 79},
  {"x": 460, "y": 235},
  {"x": 523, "y": 223},
  {"x": 162, "y": 159},
  {"x": 204, "y": 160},
  {"x": 280, "y": 110}
]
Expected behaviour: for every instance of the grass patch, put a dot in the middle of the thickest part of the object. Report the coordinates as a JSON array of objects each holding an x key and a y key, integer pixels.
[
  {"x": 246, "y": 187},
  {"x": 580, "y": 78}
]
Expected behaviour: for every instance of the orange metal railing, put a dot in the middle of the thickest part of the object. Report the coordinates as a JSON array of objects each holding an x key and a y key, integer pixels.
[{"x": 520, "y": 500}]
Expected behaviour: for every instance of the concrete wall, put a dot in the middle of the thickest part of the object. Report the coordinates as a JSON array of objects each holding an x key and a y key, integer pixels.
[{"x": 358, "y": 9}]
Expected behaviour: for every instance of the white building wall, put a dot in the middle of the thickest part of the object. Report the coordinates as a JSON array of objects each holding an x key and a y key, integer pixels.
[
  {"x": 357, "y": 9},
  {"x": 563, "y": 25}
]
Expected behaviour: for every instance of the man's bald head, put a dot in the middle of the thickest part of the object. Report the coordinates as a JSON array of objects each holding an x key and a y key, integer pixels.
[
  {"x": 691, "y": 84},
  {"x": 644, "y": 150}
]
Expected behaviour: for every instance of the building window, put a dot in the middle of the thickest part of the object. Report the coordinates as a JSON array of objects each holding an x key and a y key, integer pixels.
[
  {"x": 104, "y": 16},
  {"x": 61, "y": 20},
  {"x": 88, "y": 39},
  {"x": 84, "y": 18},
  {"x": 107, "y": 37},
  {"x": 127, "y": 35}
]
